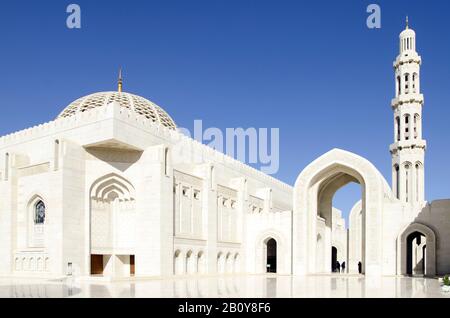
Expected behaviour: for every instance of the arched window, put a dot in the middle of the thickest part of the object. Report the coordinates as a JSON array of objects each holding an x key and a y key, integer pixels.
[
  {"x": 419, "y": 181},
  {"x": 397, "y": 124},
  {"x": 417, "y": 127},
  {"x": 397, "y": 181},
  {"x": 406, "y": 83},
  {"x": 6, "y": 166},
  {"x": 166, "y": 161},
  {"x": 407, "y": 122},
  {"x": 39, "y": 213},
  {"x": 407, "y": 177},
  {"x": 56, "y": 154}
]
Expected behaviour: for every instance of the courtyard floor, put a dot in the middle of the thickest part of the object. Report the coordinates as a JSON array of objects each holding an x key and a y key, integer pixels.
[{"x": 239, "y": 286}]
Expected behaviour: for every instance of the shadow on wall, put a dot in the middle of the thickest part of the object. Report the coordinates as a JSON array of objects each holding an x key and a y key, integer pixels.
[
  {"x": 422, "y": 244},
  {"x": 120, "y": 159}
]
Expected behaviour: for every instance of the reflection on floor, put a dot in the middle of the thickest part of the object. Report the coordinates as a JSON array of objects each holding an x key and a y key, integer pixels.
[{"x": 243, "y": 286}]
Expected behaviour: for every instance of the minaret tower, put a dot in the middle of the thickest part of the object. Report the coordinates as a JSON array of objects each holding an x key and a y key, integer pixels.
[{"x": 408, "y": 149}]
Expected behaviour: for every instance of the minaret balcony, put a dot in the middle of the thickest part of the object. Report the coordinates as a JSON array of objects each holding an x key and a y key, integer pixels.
[
  {"x": 408, "y": 144},
  {"x": 407, "y": 99},
  {"x": 407, "y": 58}
]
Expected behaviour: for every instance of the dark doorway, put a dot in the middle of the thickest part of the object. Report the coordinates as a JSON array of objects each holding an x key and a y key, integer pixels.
[
  {"x": 333, "y": 259},
  {"x": 412, "y": 240},
  {"x": 271, "y": 256},
  {"x": 132, "y": 266},
  {"x": 360, "y": 267},
  {"x": 96, "y": 264}
]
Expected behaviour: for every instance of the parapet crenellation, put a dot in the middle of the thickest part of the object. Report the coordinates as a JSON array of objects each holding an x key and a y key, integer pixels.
[{"x": 114, "y": 110}]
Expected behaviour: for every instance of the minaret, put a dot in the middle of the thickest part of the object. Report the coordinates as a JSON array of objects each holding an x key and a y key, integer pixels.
[{"x": 408, "y": 149}]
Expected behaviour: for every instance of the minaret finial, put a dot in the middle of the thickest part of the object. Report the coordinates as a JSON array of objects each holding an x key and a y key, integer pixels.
[
  {"x": 407, "y": 22},
  {"x": 120, "y": 81}
]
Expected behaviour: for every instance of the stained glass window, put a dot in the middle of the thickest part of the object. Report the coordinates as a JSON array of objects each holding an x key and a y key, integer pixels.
[{"x": 39, "y": 213}]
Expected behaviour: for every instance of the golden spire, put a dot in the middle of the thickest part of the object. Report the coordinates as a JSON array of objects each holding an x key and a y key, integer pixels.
[
  {"x": 120, "y": 81},
  {"x": 407, "y": 22}
]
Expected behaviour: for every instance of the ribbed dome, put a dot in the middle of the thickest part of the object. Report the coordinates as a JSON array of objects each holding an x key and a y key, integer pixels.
[{"x": 135, "y": 103}]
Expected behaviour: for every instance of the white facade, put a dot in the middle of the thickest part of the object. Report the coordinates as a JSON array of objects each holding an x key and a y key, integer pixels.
[{"x": 111, "y": 188}]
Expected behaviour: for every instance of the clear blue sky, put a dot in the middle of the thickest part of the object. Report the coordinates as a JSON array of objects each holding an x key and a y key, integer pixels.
[{"x": 311, "y": 68}]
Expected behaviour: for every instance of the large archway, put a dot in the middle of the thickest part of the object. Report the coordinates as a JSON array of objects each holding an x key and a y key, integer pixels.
[
  {"x": 417, "y": 251},
  {"x": 112, "y": 225},
  {"x": 313, "y": 194}
]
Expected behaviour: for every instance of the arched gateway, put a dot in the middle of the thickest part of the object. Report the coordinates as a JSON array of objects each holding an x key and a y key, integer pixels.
[
  {"x": 405, "y": 244},
  {"x": 313, "y": 194}
]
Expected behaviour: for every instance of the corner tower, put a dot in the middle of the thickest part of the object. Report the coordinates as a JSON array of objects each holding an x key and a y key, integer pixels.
[{"x": 408, "y": 149}]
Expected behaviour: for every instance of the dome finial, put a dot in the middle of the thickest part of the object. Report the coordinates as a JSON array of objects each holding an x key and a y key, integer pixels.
[
  {"x": 407, "y": 23},
  {"x": 120, "y": 81}
]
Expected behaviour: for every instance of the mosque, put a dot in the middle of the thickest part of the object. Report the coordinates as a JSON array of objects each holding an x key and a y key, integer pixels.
[{"x": 111, "y": 188}]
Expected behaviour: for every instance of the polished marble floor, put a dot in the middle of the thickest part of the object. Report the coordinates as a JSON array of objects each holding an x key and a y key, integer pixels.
[{"x": 242, "y": 286}]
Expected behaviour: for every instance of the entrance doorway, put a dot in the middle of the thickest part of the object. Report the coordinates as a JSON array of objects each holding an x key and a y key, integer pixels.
[
  {"x": 416, "y": 254},
  {"x": 271, "y": 262},
  {"x": 416, "y": 251},
  {"x": 333, "y": 259},
  {"x": 97, "y": 265},
  {"x": 132, "y": 266}
]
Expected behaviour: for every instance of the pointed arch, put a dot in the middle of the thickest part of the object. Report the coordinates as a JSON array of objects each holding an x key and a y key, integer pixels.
[
  {"x": 236, "y": 263},
  {"x": 112, "y": 183},
  {"x": 283, "y": 249},
  {"x": 178, "y": 263},
  {"x": 431, "y": 245},
  {"x": 37, "y": 218},
  {"x": 408, "y": 176},
  {"x": 407, "y": 128},
  {"x": 407, "y": 83},
  {"x": 315, "y": 188},
  {"x": 37, "y": 208},
  {"x": 189, "y": 262},
  {"x": 220, "y": 263},
  {"x": 417, "y": 126},
  {"x": 201, "y": 263},
  {"x": 229, "y": 263}
]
